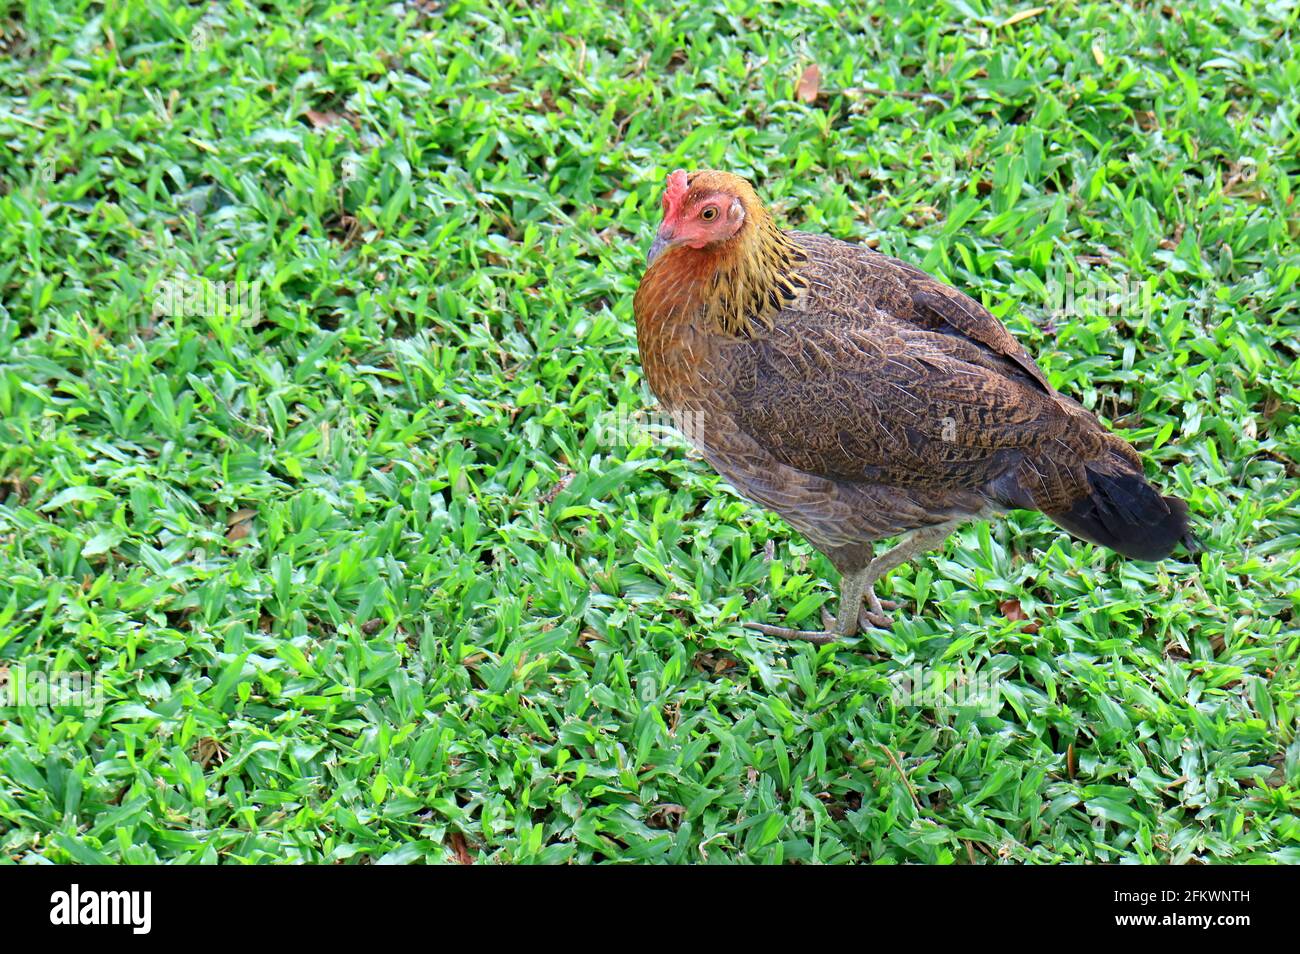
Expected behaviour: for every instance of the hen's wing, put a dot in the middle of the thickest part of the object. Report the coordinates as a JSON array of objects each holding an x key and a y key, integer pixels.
[
  {"x": 886, "y": 376},
  {"x": 862, "y": 284}
]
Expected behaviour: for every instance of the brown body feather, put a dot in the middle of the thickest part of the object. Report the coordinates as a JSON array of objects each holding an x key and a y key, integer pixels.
[{"x": 860, "y": 398}]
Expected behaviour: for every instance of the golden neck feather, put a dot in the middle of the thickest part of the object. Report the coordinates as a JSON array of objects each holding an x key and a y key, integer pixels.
[{"x": 730, "y": 286}]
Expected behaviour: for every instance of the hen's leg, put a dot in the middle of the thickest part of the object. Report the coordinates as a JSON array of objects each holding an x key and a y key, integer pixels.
[
  {"x": 852, "y": 587},
  {"x": 859, "y": 585},
  {"x": 911, "y": 546}
]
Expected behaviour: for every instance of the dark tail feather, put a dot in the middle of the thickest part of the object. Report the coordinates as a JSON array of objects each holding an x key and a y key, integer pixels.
[{"x": 1126, "y": 514}]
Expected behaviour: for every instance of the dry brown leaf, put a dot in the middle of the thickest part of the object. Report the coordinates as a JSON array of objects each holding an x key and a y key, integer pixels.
[
  {"x": 1012, "y": 610},
  {"x": 810, "y": 85},
  {"x": 712, "y": 662},
  {"x": 460, "y": 848},
  {"x": 557, "y": 488},
  {"x": 240, "y": 523},
  {"x": 321, "y": 120},
  {"x": 208, "y": 750},
  {"x": 666, "y": 815},
  {"x": 1022, "y": 15}
]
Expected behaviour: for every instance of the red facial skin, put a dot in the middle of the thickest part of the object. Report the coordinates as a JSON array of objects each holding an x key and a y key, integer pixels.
[{"x": 698, "y": 220}]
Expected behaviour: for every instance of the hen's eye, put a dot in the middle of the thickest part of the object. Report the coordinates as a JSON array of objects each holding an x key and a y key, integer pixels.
[{"x": 709, "y": 214}]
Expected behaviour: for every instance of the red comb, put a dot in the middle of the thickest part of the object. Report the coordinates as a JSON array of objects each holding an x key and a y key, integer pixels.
[{"x": 674, "y": 191}]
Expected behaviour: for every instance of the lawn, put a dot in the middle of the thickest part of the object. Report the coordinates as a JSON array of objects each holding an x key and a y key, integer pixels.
[{"x": 324, "y": 457}]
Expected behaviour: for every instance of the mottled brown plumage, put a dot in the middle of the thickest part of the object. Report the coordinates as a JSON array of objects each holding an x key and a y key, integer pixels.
[{"x": 862, "y": 399}]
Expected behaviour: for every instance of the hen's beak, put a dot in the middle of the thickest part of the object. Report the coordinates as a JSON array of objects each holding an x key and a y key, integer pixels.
[{"x": 662, "y": 241}]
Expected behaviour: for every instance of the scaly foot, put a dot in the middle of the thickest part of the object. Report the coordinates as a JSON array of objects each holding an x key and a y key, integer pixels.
[
  {"x": 870, "y": 616},
  {"x": 819, "y": 637},
  {"x": 873, "y": 613},
  {"x": 784, "y": 632}
]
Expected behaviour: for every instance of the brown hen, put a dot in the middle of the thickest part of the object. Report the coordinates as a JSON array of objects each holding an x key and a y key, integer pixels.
[{"x": 861, "y": 399}]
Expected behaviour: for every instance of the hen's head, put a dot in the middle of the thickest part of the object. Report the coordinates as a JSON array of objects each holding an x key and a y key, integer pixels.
[{"x": 704, "y": 209}]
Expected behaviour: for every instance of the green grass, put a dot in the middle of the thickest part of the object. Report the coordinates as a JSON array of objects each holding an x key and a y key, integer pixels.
[{"x": 363, "y": 580}]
